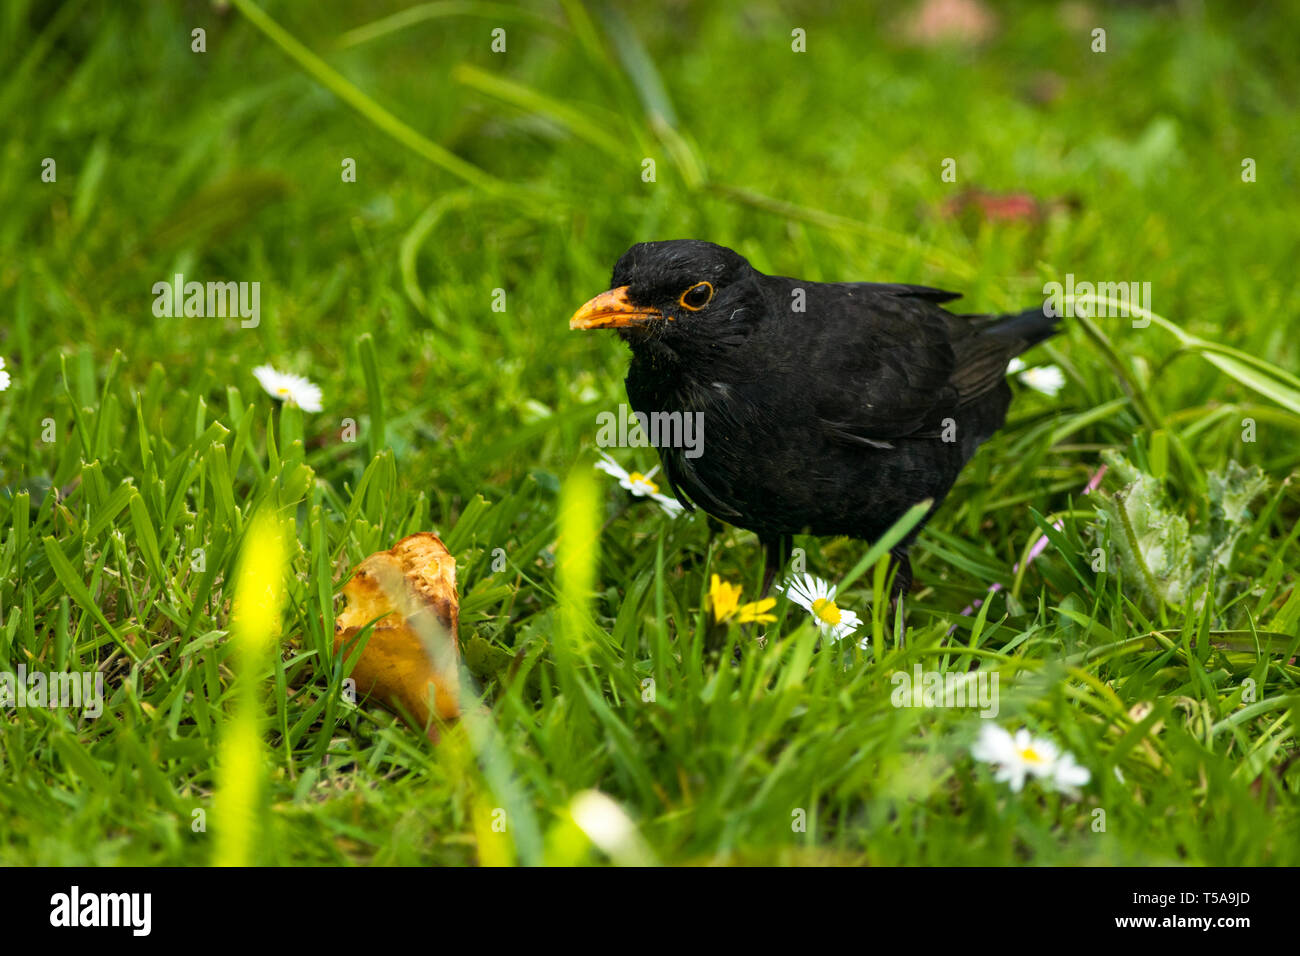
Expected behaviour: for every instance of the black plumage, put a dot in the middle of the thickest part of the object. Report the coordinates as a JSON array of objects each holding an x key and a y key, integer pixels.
[{"x": 833, "y": 420}]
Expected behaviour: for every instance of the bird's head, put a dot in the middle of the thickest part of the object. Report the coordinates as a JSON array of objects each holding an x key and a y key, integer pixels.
[{"x": 673, "y": 292}]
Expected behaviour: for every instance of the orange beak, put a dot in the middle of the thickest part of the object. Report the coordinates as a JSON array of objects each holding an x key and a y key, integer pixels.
[{"x": 611, "y": 310}]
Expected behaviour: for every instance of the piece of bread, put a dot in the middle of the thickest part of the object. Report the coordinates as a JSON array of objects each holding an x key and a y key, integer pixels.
[{"x": 412, "y": 657}]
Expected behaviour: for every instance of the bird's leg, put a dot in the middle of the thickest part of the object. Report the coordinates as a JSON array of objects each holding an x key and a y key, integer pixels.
[
  {"x": 771, "y": 564},
  {"x": 776, "y": 550},
  {"x": 902, "y": 579},
  {"x": 902, "y": 572}
]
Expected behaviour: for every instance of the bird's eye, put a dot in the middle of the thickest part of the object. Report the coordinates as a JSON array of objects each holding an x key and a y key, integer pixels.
[{"x": 697, "y": 296}]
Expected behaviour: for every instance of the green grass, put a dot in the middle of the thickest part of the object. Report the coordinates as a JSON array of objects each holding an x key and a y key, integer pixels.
[{"x": 522, "y": 171}]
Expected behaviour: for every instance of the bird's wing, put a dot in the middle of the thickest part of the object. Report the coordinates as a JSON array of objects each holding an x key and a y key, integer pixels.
[
  {"x": 923, "y": 292},
  {"x": 690, "y": 490},
  {"x": 891, "y": 365},
  {"x": 649, "y": 392}
]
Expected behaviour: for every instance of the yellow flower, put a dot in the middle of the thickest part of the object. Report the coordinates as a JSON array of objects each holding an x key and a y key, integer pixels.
[
  {"x": 755, "y": 612},
  {"x": 724, "y": 598}
]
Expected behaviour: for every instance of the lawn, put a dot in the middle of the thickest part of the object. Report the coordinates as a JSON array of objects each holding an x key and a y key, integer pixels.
[{"x": 422, "y": 210}]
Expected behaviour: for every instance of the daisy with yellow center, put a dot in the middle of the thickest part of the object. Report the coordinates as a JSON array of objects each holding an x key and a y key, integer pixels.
[
  {"x": 640, "y": 484},
  {"x": 1019, "y": 756},
  {"x": 817, "y": 597},
  {"x": 289, "y": 388},
  {"x": 724, "y": 598},
  {"x": 4, "y": 376}
]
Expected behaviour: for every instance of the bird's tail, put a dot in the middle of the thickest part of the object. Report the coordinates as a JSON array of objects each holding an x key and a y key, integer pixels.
[{"x": 1031, "y": 326}]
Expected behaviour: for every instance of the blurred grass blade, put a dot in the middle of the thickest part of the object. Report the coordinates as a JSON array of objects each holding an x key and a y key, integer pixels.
[
  {"x": 577, "y": 553},
  {"x": 650, "y": 88},
  {"x": 414, "y": 240},
  {"x": 255, "y": 630},
  {"x": 374, "y": 393},
  {"x": 596, "y": 127},
  {"x": 424, "y": 12},
  {"x": 341, "y": 87}
]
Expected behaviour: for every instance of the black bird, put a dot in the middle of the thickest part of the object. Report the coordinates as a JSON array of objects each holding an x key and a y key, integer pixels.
[{"x": 828, "y": 408}]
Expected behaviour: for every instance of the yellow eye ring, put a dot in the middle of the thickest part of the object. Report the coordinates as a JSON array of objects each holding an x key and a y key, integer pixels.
[{"x": 693, "y": 292}]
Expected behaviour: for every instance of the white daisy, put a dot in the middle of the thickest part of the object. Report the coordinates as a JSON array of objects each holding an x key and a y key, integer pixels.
[
  {"x": 817, "y": 597},
  {"x": 4, "y": 376},
  {"x": 1021, "y": 755},
  {"x": 1048, "y": 379},
  {"x": 1015, "y": 757},
  {"x": 1068, "y": 776},
  {"x": 288, "y": 387},
  {"x": 640, "y": 485}
]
